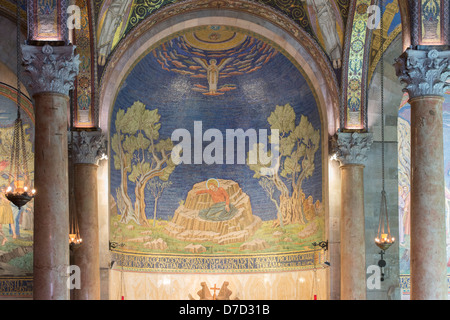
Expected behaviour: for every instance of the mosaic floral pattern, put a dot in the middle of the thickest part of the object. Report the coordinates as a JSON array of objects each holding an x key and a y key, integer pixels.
[
  {"x": 354, "y": 111},
  {"x": 85, "y": 84}
]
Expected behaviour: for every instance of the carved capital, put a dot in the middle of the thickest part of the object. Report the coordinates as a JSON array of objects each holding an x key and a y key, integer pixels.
[
  {"x": 425, "y": 73},
  {"x": 351, "y": 148},
  {"x": 51, "y": 69},
  {"x": 87, "y": 147}
]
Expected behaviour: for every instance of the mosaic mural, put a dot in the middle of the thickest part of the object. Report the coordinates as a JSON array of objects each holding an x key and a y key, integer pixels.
[
  {"x": 354, "y": 95},
  {"x": 16, "y": 226},
  {"x": 392, "y": 28},
  {"x": 48, "y": 17},
  {"x": 84, "y": 93},
  {"x": 404, "y": 172},
  {"x": 431, "y": 25},
  {"x": 213, "y": 212}
]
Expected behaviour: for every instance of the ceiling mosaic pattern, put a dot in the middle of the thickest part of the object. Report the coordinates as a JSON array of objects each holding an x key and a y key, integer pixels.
[{"x": 130, "y": 13}]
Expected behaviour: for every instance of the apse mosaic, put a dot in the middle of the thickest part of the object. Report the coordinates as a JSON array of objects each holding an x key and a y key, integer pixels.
[
  {"x": 404, "y": 172},
  {"x": 16, "y": 226},
  {"x": 218, "y": 210}
]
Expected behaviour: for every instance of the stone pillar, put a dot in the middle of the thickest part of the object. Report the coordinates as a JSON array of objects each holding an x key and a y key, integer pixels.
[
  {"x": 426, "y": 73},
  {"x": 351, "y": 150},
  {"x": 88, "y": 149},
  {"x": 51, "y": 72}
]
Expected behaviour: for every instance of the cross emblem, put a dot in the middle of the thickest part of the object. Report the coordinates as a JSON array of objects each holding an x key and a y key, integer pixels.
[{"x": 214, "y": 288}]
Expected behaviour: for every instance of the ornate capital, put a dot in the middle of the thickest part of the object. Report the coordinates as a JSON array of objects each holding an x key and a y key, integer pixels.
[
  {"x": 51, "y": 69},
  {"x": 424, "y": 72},
  {"x": 351, "y": 148},
  {"x": 87, "y": 147}
]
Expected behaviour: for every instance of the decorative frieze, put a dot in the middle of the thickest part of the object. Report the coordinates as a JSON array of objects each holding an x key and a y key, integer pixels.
[
  {"x": 50, "y": 69},
  {"x": 424, "y": 72},
  {"x": 351, "y": 147}
]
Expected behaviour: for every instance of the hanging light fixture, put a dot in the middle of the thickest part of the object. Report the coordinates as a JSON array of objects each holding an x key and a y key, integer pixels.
[
  {"x": 383, "y": 239},
  {"x": 75, "y": 239},
  {"x": 19, "y": 190},
  {"x": 74, "y": 235}
]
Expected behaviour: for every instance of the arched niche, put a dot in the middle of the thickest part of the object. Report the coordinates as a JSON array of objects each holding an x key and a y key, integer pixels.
[{"x": 140, "y": 43}]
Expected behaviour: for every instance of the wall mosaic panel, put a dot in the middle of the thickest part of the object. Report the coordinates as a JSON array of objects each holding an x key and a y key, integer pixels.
[
  {"x": 404, "y": 171},
  {"x": 84, "y": 113},
  {"x": 168, "y": 216},
  {"x": 16, "y": 226},
  {"x": 355, "y": 69},
  {"x": 48, "y": 18}
]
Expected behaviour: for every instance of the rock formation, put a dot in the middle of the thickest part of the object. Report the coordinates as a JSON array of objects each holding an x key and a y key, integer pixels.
[
  {"x": 158, "y": 244},
  {"x": 195, "y": 248},
  {"x": 255, "y": 245},
  {"x": 186, "y": 224}
]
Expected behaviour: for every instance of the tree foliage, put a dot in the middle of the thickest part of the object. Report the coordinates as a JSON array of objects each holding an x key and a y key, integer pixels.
[
  {"x": 298, "y": 144},
  {"x": 140, "y": 155}
]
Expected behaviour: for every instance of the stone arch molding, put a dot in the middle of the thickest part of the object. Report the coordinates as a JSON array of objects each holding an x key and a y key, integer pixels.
[{"x": 258, "y": 19}]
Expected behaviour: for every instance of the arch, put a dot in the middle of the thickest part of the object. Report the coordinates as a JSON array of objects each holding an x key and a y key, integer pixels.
[
  {"x": 259, "y": 19},
  {"x": 406, "y": 23}
]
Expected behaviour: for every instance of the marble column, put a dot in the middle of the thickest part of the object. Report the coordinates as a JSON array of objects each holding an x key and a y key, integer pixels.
[
  {"x": 88, "y": 148},
  {"x": 425, "y": 73},
  {"x": 351, "y": 150},
  {"x": 51, "y": 72}
]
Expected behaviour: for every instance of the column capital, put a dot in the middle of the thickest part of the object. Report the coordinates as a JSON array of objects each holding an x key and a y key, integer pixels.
[
  {"x": 51, "y": 69},
  {"x": 89, "y": 147},
  {"x": 425, "y": 72},
  {"x": 351, "y": 147}
]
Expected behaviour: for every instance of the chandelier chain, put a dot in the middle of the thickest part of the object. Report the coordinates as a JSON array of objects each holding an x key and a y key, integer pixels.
[
  {"x": 18, "y": 59},
  {"x": 382, "y": 96}
]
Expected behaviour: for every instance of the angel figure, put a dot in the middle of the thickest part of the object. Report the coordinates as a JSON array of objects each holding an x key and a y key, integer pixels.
[
  {"x": 327, "y": 22},
  {"x": 212, "y": 71},
  {"x": 111, "y": 20}
]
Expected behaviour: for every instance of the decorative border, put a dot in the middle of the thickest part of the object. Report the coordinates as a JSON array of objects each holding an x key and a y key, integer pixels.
[
  {"x": 441, "y": 21},
  {"x": 19, "y": 287},
  {"x": 358, "y": 78},
  {"x": 61, "y": 21},
  {"x": 214, "y": 264},
  {"x": 84, "y": 92},
  {"x": 405, "y": 284}
]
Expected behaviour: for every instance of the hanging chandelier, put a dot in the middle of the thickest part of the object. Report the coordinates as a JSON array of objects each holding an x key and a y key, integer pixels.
[
  {"x": 75, "y": 239},
  {"x": 19, "y": 190},
  {"x": 74, "y": 235},
  {"x": 383, "y": 239}
]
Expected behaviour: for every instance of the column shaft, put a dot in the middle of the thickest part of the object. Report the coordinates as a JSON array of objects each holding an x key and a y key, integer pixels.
[
  {"x": 86, "y": 257},
  {"x": 51, "y": 204},
  {"x": 351, "y": 150},
  {"x": 353, "y": 266},
  {"x": 428, "y": 244}
]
